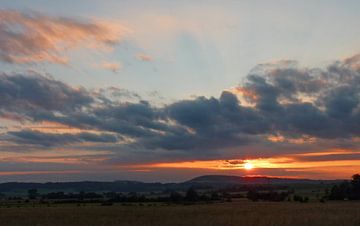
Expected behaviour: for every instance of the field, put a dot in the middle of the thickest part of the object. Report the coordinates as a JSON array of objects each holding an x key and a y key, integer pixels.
[{"x": 234, "y": 213}]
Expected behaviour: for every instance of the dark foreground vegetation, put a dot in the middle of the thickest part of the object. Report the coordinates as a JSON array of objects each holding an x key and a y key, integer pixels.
[
  {"x": 224, "y": 214},
  {"x": 188, "y": 197},
  {"x": 233, "y": 204},
  {"x": 347, "y": 190},
  {"x": 195, "y": 193}
]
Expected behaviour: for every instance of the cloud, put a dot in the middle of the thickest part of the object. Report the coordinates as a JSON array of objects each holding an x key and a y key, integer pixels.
[
  {"x": 353, "y": 62},
  {"x": 48, "y": 139},
  {"x": 144, "y": 57},
  {"x": 301, "y": 101},
  {"x": 32, "y": 92},
  {"x": 111, "y": 66},
  {"x": 116, "y": 94},
  {"x": 280, "y": 107},
  {"x": 34, "y": 37}
]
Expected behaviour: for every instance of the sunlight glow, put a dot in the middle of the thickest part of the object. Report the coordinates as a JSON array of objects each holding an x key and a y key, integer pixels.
[{"x": 248, "y": 166}]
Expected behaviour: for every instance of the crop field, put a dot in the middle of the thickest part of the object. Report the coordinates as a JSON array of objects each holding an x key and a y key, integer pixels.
[{"x": 232, "y": 213}]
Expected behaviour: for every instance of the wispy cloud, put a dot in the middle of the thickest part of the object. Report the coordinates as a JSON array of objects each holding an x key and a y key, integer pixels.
[
  {"x": 144, "y": 57},
  {"x": 35, "y": 37},
  {"x": 114, "y": 67}
]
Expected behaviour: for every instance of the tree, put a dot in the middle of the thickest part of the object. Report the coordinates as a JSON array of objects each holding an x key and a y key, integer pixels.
[
  {"x": 355, "y": 182},
  {"x": 253, "y": 195},
  {"x": 191, "y": 195},
  {"x": 215, "y": 196},
  {"x": 33, "y": 193},
  {"x": 341, "y": 191},
  {"x": 176, "y": 197},
  {"x": 346, "y": 189},
  {"x": 355, "y": 187}
]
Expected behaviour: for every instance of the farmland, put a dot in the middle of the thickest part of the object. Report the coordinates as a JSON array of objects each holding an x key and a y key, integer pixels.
[
  {"x": 204, "y": 201},
  {"x": 229, "y": 213}
]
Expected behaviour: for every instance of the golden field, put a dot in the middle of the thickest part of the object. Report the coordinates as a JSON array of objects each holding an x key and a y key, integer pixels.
[{"x": 234, "y": 213}]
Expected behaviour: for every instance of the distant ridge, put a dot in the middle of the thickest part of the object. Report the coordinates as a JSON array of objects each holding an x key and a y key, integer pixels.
[
  {"x": 209, "y": 181},
  {"x": 226, "y": 179}
]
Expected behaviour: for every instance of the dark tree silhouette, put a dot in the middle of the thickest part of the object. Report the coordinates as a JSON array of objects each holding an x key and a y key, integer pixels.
[
  {"x": 355, "y": 189},
  {"x": 215, "y": 196},
  {"x": 355, "y": 182},
  {"x": 252, "y": 195},
  {"x": 346, "y": 190},
  {"x": 273, "y": 196},
  {"x": 191, "y": 195},
  {"x": 33, "y": 193},
  {"x": 176, "y": 197}
]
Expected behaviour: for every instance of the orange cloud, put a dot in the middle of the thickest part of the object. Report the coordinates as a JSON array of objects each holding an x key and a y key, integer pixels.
[
  {"x": 353, "y": 62},
  {"x": 60, "y": 156},
  {"x": 143, "y": 57},
  {"x": 216, "y": 164},
  {"x": 12, "y": 116},
  {"x": 33, "y": 37},
  {"x": 111, "y": 66},
  {"x": 247, "y": 93},
  {"x": 278, "y": 138},
  {"x": 289, "y": 163},
  {"x": 330, "y": 152},
  {"x": 7, "y": 173},
  {"x": 56, "y": 128}
]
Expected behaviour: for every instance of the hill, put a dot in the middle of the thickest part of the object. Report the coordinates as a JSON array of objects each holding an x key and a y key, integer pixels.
[
  {"x": 207, "y": 181},
  {"x": 225, "y": 179}
]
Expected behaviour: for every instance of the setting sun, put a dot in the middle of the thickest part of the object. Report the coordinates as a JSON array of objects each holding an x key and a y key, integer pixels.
[{"x": 248, "y": 166}]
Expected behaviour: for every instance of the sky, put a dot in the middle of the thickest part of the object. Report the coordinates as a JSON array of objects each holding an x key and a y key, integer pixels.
[{"x": 169, "y": 90}]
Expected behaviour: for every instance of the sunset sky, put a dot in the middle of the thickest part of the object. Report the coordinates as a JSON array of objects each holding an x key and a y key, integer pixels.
[{"x": 169, "y": 90}]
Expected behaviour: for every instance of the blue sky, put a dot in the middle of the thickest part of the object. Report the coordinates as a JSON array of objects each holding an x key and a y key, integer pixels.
[{"x": 204, "y": 47}]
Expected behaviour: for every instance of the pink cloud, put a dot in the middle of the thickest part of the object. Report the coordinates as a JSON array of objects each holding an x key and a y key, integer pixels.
[
  {"x": 33, "y": 38},
  {"x": 111, "y": 66},
  {"x": 144, "y": 57}
]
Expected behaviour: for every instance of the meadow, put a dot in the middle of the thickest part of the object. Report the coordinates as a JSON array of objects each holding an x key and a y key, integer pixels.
[{"x": 344, "y": 213}]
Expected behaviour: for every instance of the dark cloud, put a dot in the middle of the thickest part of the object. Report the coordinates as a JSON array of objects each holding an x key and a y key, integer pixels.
[
  {"x": 285, "y": 101},
  {"x": 33, "y": 92},
  {"x": 330, "y": 157},
  {"x": 299, "y": 101},
  {"x": 50, "y": 139},
  {"x": 304, "y": 119},
  {"x": 212, "y": 123},
  {"x": 215, "y": 117},
  {"x": 130, "y": 119}
]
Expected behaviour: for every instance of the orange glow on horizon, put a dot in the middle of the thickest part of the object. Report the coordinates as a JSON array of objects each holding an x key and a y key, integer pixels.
[
  {"x": 233, "y": 164},
  {"x": 289, "y": 163}
]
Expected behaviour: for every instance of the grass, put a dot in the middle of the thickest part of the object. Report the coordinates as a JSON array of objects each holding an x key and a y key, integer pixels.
[{"x": 236, "y": 213}]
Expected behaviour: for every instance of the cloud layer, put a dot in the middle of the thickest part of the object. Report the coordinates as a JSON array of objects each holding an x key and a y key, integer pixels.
[
  {"x": 280, "y": 114},
  {"x": 277, "y": 103}
]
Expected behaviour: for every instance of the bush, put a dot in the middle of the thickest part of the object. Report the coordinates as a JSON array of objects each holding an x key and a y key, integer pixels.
[{"x": 254, "y": 196}]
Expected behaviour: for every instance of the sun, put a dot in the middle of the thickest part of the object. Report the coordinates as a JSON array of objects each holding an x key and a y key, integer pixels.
[{"x": 248, "y": 166}]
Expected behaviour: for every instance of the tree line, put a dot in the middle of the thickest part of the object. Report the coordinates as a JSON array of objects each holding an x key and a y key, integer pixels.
[{"x": 347, "y": 190}]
